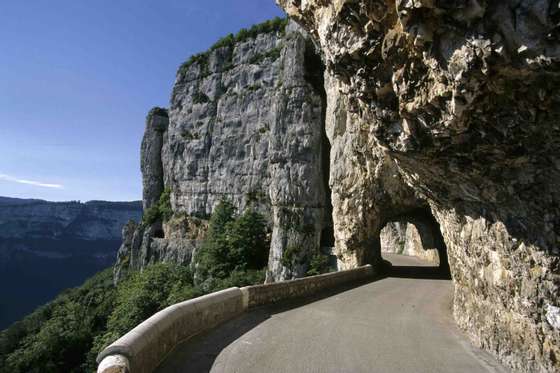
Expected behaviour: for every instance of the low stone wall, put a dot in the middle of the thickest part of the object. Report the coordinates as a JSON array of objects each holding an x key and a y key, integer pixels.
[
  {"x": 143, "y": 348},
  {"x": 258, "y": 295}
]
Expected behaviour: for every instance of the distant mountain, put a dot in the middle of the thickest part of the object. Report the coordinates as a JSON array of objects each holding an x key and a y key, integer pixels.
[
  {"x": 46, "y": 247},
  {"x": 17, "y": 201},
  {"x": 94, "y": 220}
]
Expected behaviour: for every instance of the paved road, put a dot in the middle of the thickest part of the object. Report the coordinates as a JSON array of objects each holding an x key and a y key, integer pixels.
[{"x": 401, "y": 323}]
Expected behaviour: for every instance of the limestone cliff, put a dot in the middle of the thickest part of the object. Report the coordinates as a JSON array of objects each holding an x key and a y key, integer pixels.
[
  {"x": 245, "y": 123},
  {"x": 46, "y": 247},
  {"x": 410, "y": 239},
  {"x": 94, "y": 220},
  {"x": 453, "y": 106}
]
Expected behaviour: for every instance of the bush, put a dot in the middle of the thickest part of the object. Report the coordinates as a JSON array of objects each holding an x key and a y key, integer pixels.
[
  {"x": 67, "y": 334},
  {"x": 201, "y": 58},
  {"x": 235, "y": 279},
  {"x": 226, "y": 41},
  {"x": 272, "y": 54},
  {"x": 58, "y": 336},
  {"x": 232, "y": 243},
  {"x": 274, "y": 25},
  {"x": 292, "y": 256},
  {"x": 318, "y": 264},
  {"x": 143, "y": 294},
  {"x": 157, "y": 111},
  {"x": 160, "y": 211},
  {"x": 200, "y": 98}
]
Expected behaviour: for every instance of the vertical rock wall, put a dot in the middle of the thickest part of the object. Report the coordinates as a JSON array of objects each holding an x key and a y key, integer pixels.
[
  {"x": 296, "y": 191},
  {"x": 368, "y": 190},
  {"x": 410, "y": 239},
  {"x": 151, "y": 164},
  {"x": 456, "y": 104},
  {"x": 246, "y": 123}
]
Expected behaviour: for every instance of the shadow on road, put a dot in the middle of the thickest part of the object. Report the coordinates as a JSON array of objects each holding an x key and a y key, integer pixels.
[
  {"x": 416, "y": 272},
  {"x": 422, "y": 273},
  {"x": 199, "y": 353}
]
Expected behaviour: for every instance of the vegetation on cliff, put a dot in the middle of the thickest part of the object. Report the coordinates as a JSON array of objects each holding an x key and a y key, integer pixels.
[
  {"x": 66, "y": 334},
  {"x": 235, "y": 246},
  {"x": 159, "y": 211},
  {"x": 274, "y": 25},
  {"x": 157, "y": 111},
  {"x": 57, "y": 337}
]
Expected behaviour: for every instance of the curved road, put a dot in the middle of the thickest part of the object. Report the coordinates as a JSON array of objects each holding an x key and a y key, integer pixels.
[{"x": 401, "y": 323}]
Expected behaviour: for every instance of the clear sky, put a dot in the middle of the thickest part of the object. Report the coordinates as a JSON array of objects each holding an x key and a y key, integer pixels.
[{"x": 77, "y": 78}]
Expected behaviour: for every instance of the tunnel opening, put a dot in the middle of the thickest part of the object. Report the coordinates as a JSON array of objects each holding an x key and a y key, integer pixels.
[
  {"x": 159, "y": 233},
  {"x": 411, "y": 245}
]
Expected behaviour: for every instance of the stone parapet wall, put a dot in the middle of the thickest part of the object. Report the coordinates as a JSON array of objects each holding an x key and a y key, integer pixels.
[
  {"x": 259, "y": 295},
  {"x": 146, "y": 346}
]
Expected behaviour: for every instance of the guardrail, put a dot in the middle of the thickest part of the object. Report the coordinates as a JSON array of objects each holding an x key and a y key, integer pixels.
[{"x": 143, "y": 348}]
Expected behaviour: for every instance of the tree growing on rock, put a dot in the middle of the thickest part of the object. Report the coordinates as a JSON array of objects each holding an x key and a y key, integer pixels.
[{"x": 234, "y": 244}]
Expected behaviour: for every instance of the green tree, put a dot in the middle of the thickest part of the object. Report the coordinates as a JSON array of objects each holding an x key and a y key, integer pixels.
[
  {"x": 161, "y": 210},
  {"x": 57, "y": 337},
  {"x": 232, "y": 244},
  {"x": 143, "y": 294},
  {"x": 210, "y": 259},
  {"x": 67, "y": 334},
  {"x": 247, "y": 241}
]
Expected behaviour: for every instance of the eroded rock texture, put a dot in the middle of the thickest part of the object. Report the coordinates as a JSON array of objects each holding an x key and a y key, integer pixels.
[
  {"x": 245, "y": 123},
  {"x": 151, "y": 163},
  {"x": 410, "y": 239},
  {"x": 454, "y": 104}
]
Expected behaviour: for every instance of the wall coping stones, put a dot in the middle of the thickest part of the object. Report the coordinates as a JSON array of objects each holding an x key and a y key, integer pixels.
[{"x": 143, "y": 348}]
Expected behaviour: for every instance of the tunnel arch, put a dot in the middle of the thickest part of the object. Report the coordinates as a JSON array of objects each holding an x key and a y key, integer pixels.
[{"x": 420, "y": 236}]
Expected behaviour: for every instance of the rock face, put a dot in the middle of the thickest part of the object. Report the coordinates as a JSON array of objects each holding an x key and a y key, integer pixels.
[
  {"x": 410, "y": 239},
  {"x": 151, "y": 163},
  {"x": 144, "y": 245},
  {"x": 46, "y": 247},
  {"x": 94, "y": 220},
  {"x": 452, "y": 105},
  {"x": 245, "y": 123}
]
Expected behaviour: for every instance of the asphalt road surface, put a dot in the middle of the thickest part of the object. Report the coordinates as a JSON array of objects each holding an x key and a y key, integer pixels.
[{"x": 401, "y": 323}]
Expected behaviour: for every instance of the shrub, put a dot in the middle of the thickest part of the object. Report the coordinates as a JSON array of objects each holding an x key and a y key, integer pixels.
[
  {"x": 226, "y": 41},
  {"x": 188, "y": 135},
  {"x": 201, "y": 58},
  {"x": 151, "y": 215},
  {"x": 157, "y": 111},
  {"x": 160, "y": 211},
  {"x": 57, "y": 337},
  {"x": 67, "y": 334},
  {"x": 143, "y": 294},
  {"x": 235, "y": 279},
  {"x": 292, "y": 255},
  {"x": 232, "y": 243},
  {"x": 200, "y": 98},
  {"x": 318, "y": 264},
  {"x": 164, "y": 205},
  {"x": 274, "y": 25},
  {"x": 273, "y": 54}
]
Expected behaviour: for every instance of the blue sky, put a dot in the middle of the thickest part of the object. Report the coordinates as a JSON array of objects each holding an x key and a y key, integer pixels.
[{"x": 77, "y": 78}]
